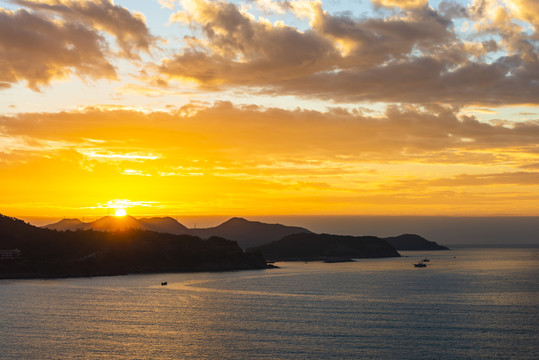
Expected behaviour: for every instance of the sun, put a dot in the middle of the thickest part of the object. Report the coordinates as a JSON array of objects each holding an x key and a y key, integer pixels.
[{"x": 120, "y": 212}]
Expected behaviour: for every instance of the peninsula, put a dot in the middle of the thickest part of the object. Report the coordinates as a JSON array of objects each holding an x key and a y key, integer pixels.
[{"x": 32, "y": 252}]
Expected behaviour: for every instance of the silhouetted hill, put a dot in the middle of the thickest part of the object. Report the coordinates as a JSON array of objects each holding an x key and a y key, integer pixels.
[
  {"x": 413, "y": 242},
  {"x": 309, "y": 246},
  {"x": 116, "y": 223},
  {"x": 246, "y": 233},
  {"x": 249, "y": 233},
  {"x": 68, "y": 224},
  {"x": 164, "y": 225},
  {"x": 14, "y": 232},
  {"x": 46, "y": 252}
]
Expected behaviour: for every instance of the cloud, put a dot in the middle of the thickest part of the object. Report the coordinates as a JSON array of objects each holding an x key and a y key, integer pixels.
[
  {"x": 402, "y": 133},
  {"x": 243, "y": 51},
  {"x": 115, "y": 156},
  {"x": 415, "y": 57},
  {"x": 481, "y": 180},
  {"x": 129, "y": 28},
  {"x": 531, "y": 166},
  {"x": 527, "y": 10},
  {"x": 426, "y": 80},
  {"x": 124, "y": 204},
  {"x": 169, "y": 4},
  {"x": 60, "y": 38},
  {"x": 404, "y": 4},
  {"x": 224, "y": 157},
  {"x": 37, "y": 49}
]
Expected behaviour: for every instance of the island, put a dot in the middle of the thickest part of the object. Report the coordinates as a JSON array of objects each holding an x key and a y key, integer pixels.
[
  {"x": 413, "y": 242},
  {"x": 325, "y": 247}
]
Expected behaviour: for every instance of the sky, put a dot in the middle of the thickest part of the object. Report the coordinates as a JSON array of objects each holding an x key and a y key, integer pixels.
[{"x": 263, "y": 108}]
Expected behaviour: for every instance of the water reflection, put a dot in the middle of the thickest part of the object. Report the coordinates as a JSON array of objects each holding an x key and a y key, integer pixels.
[{"x": 481, "y": 304}]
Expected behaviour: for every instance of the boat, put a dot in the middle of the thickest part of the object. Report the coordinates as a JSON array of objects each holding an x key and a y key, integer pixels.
[
  {"x": 163, "y": 283},
  {"x": 420, "y": 264},
  {"x": 425, "y": 260}
]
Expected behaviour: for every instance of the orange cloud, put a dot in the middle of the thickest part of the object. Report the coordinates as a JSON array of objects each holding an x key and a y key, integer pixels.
[
  {"x": 527, "y": 10},
  {"x": 404, "y": 4},
  {"x": 519, "y": 178},
  {"x": 247, "y": 159},
  {"x": 115, "y": 156},
  {"x": 225, "y": 128}
]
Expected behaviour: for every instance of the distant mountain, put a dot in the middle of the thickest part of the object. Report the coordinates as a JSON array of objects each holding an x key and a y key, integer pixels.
[
  {"x": 164, "y": 225},
  {"x": 49, "y": 253},
  {"x": 68, "y": 224},
  {"x": 309, "y": 246},
  {"x": 413, "y": 242},
  {"x": 117, "y": 223},
  {"x": 246, "y": 233},
  {"x": 249, "y": 233}
]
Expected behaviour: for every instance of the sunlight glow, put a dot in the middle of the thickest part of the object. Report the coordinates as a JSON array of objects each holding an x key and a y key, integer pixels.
[
  {"x": 378, "y": 107},
  {"x": 117, "y": 156},
  {"x": 120, "y": 212}
]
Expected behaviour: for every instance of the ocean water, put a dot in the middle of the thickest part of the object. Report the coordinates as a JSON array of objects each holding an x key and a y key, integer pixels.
[{"x": 467, "y": 304}]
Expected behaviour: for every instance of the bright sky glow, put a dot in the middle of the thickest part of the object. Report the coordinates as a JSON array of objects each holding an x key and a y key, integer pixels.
[
  {"x": 199, "y": 107},
  {"x": 120, "y": 212}
]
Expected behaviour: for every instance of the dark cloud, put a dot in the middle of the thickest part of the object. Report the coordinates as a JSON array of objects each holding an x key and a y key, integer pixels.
[
  {"x": 245, "y": 52},
  {"x": 44, "y": 41},
  {"x": 37, "y": 49},
  {"x": 128, "y": 28},
  {"x": 416, "y": 58},
  {"x": 374, "y": 41},
  {"x": 427, "y": 80}
]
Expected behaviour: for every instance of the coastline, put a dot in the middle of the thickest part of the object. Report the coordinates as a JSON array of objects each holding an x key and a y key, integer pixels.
[{"x": 209, "y": 269}]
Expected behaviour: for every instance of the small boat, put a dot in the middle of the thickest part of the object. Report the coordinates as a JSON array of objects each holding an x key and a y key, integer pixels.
[
  {"x": 420, "y": 264},
  {"x": 425, "y": 260},
  {"x": 163, "y": 283}
]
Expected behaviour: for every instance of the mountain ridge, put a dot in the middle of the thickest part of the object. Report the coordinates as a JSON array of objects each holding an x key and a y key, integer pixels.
[
  {"x": 43, "y": 252},
  {"x": 247, "y": 233}
]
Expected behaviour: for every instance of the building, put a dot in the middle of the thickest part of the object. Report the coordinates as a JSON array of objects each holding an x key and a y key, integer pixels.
[{"x": 10, "y": 254}]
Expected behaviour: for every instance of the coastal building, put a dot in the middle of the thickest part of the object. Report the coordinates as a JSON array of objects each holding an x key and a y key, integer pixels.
[{"x": 10, "y": 254}]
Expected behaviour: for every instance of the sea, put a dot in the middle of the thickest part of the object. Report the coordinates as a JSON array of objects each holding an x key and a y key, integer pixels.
[{"x": 466, "y": 304}]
